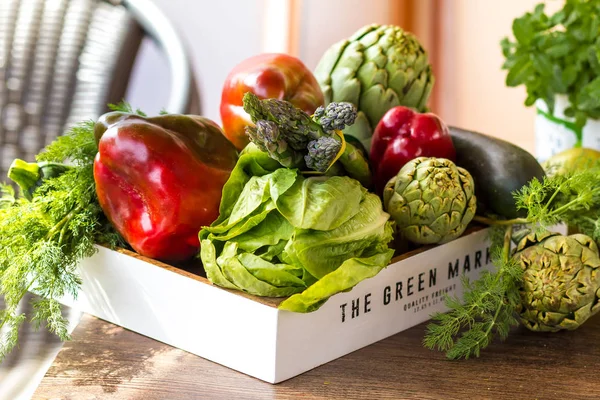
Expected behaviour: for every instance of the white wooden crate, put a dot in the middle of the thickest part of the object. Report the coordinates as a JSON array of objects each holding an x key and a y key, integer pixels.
[{"x": 248, "y": 333}]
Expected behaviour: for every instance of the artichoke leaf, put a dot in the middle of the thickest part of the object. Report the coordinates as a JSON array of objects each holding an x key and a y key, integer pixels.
[
  {"x": 361, "y": 130},
  {"x": 376, "y": 100},
  {"x": 369, "y": 74},
  {"x": 328, "y": 63},
  {"x": 415, "y": 90},
  {"x": 378, "y": 59},
  {"x": 398, "y": 80},
  {"x": 422, "y": 104},
  {"x": 348, "y": 87},
  {"x": 363, "y": 34},
  {"x": 367, "y": 37},
  {"x": 561, "y": 283}
]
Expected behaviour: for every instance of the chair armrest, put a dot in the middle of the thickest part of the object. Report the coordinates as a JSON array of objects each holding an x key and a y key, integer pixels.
[{"x": 183, "y": 97}]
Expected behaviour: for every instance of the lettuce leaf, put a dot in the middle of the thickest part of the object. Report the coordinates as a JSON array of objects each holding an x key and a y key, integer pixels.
[
  {"x": 348, "y": 275},
  {"x": 252, "y": 162},
  {"x": 321, "y": 203},
  {"x": 281, "y": 234},
  {"x": 322, "y": 252}
]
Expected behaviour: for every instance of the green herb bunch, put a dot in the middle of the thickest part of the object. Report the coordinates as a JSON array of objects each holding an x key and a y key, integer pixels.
[
  {"x": 43, "y": 239},
  {"x": 558, "y": 54},
  {"x": 489, "y": 304}
]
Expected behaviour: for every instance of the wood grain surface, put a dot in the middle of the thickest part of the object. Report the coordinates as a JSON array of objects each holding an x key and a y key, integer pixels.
[{"x": 108, "y": 362}]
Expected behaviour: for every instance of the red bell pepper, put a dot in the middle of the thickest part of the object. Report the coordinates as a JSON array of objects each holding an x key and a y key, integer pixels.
[
  {"x": 159, "y": 179},
  {"x": 403, "y": 135},
  {"x": 271, "y": 75}
]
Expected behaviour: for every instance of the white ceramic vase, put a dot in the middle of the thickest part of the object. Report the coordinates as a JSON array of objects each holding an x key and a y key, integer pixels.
[{"x": 555, "y": 132}]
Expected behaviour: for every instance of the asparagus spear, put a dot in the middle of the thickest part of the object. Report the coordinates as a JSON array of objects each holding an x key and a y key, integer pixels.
[{"x": 293, "y": 138}]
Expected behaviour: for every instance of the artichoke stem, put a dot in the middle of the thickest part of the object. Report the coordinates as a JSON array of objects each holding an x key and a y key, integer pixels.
[
  {"x": 507, "y": 240},
  {"x": 491, "y": 221}
]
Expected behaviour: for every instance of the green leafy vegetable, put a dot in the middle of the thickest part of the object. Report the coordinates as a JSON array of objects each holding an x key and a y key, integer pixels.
[
  {"x": 7, "y": 195},
  {"x": 349, "y": 274},
  {"x": 125, "y": 107},
  {"x": 30, "y": 176},
  {"x": 321, "y": 252},
  {"x": 488, "y": 308},
  {"x": 47, "y": 231},
  {"x": 558, "y": 54},
  {"x": 490, "y": 303},
  {"x": 320, "y": 203},
  {"x": 280, "y": 234}
]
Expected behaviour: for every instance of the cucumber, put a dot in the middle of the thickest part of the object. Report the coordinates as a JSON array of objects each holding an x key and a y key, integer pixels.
[{"x": 498, "y": 168}]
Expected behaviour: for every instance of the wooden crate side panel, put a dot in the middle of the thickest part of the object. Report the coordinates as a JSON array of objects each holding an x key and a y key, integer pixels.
[
  {"x": 216, "y": 324},
  {"x": 401, "y": 296}
]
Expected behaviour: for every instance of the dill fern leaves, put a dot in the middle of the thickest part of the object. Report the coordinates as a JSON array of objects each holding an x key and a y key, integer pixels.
[
  {"x": 42, "y": 240},
  {"x": 489, "y": 304}
]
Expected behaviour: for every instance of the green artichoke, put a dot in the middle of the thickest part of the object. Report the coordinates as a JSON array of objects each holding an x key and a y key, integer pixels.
[
  {"x": 377, "y": 68},
  {"x": 561, "y": 280},
  {"x": 431, "y": 199}
]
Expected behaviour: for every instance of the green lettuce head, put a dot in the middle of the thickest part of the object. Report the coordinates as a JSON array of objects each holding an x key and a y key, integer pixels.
[{"x": 281, "y": 234}]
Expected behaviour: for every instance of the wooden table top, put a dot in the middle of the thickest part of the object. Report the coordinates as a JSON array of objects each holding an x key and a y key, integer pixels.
[{"x": 104, "y": 361}]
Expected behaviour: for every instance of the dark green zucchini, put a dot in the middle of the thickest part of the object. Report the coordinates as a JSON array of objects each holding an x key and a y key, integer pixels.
[{"x": 498, "y": 168}]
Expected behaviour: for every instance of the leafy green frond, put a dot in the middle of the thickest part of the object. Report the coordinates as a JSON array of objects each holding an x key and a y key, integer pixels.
[
  {"x": 48, "y": 311},
  {"x": 572, "y": 198},
  {"x": 7, "y": 196},
  {"x": 557, "y": 54},
  {"x": 12, "y": 322},
  {"x": 43, "y": 240},
  {"x": 485, "y": 311},
  {"x": 125, "y": 107},
  {"x": 76, "y": 146}
]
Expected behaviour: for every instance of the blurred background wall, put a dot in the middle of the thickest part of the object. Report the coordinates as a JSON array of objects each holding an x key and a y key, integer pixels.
[
  {"x": 218, "y": 33},
  {"x": 462, "y": 37}
]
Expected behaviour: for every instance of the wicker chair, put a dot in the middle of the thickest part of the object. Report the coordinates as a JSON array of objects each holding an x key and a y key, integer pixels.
[{"x": 63, "y": 61}]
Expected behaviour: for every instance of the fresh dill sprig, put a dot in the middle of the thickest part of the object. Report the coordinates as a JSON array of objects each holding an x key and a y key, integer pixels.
[
  {"x": 125, "y": 107},
  {"x": 43, "y": 240},
  {"x": 572, "y": 198},
  {"x": 487, "y": 309},
  {"x": 489, "y": 304},
  {"x": 7, "y": 195},
  {"x": 75, "y": 146}
]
